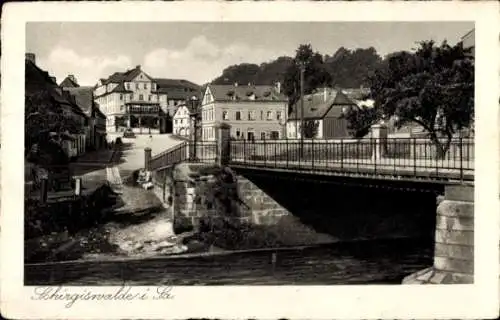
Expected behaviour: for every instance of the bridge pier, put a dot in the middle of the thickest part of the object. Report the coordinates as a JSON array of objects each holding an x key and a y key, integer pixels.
[{"x": 454, "y": 241}]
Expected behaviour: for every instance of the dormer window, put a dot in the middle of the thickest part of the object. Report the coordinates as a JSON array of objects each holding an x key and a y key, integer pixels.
[{"x": 127, "y": 86}]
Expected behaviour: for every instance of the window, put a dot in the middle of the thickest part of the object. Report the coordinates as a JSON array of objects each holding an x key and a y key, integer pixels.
[
  {"x": 269, "y": 115},
  {"x": 250, "y": 136},
  {"x": 238, "y": 133},
  {"x": 238, "y": 115},
  {"x": 121, "y": 96},
  {"x": 149, "y": 98},
  {"x": 181, "y": 121},
  {"x": 224, "y": 115},
  {"x": 137, "y": 86},
  {"x": 278, "y": 115},
  {"x": 275, "y": 135},
  {"x": 127, "y": 85},
  {"x": 176, "y": 121},
  {"x": 261, "y": 115},
  {"x": 263, "y": 136},
  {"x": 251, "y": 115},
  {"x": 141, "y": 97},
  {"x": 145, "y": 86}
]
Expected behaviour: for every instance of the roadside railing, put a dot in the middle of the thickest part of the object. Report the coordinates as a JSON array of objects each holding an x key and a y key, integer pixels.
[
  {"x": 169, "y": 157},
  {"x": 394, "y": 156},
  {"x": 206, "y": 151}
]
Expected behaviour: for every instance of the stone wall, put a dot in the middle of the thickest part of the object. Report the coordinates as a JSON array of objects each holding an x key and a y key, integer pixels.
[
  {"x": 454, "y": 245},
  {"x": 228, "y": 210}
]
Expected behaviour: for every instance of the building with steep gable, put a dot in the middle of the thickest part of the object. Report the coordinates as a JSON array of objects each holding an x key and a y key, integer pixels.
[{"x": 135, "y": 100}]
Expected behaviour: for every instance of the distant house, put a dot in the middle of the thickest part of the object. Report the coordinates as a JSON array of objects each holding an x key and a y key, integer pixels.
[
  {"x": 182, "y": 121},
  {"x": 253, "y": 111},
  {"x": 325, "y": 107},
  {"x": 84, "y": 97}
]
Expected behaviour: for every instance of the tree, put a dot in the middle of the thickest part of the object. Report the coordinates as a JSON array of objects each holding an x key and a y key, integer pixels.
[
  {"x": 315, "y": 73},
  {"x": 360, "y": 119},
  {"x": 43, "y": 115},
  {"x": 432, "y": 87},
  {"x": 310, "y": 129}
]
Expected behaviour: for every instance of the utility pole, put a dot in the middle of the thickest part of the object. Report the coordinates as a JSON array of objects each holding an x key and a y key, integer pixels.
[{"x": 302, "y": 69}]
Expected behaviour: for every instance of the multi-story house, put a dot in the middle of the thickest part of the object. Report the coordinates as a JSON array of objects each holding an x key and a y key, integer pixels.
[
  {"x": 84, "y": 97},
  {"x": 134, "y": 100},
  {"x": 182, "y": 121},
  {"x": 253, "y": 111}
]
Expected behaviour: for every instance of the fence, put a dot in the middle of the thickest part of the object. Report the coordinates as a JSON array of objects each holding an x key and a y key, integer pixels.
[
  {"x": 395, "y": 154},
  {"x": 206, "y": 151}
]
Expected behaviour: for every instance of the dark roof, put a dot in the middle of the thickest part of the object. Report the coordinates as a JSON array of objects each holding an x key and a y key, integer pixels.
[
  {"x": 119, "y": 77},
  {"x": 68, "y": 83},
  {"x": 315, "y": 106},
  {"x": 178, "y": 89},
  {"x": 243, "y": 93},
  {"x": 38, "y": 80},
  {"x": 84, "y": 98}
]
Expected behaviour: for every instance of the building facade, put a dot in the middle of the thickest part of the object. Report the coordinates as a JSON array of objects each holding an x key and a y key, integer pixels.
[
  {"x": 182, "y": 121},
  {"x": 83, "y": 96},
  {"x": 324, "y": 109},
  {"x": 254, "y": 111},
  {"x": 136, "y": 101}
]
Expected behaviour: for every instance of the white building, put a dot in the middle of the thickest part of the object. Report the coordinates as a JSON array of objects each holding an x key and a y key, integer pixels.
[
  {"x": 133, "y": 99},
  {"x": 181, "y": 121},
  {"x": 253, "y": 111}
]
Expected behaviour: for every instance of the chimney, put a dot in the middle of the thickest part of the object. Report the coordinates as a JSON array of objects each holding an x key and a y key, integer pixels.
[
  {"x": 53, "y": 79},
  {"x": 138, "y": 66},
  {"x": 236, "y": 84},
  {"x": 30, "y": 57},
  {"x": 72, "y": 78},
  {"x": 278, "y": 87}
]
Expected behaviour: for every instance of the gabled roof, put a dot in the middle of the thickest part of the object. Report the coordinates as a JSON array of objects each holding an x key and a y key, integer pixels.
[
  {"x": 120, "y": 77},
  {"x": 315, "y": 106},
  {"x": 261, "y": 93},
  {"x": 83, "y": 97},
  {"x": 68, "y": 83},
  {"x": 179, "y": 107},
  {"x": 37, "y": 80}
]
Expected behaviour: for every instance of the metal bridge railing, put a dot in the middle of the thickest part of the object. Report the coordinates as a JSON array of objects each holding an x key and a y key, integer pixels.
[{"x": 413, "y": 157}]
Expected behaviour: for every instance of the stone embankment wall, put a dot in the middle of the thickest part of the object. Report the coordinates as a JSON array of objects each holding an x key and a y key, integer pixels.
[
  {"x": 228, "y": 210},
  {"x": 454, "y": 246}
]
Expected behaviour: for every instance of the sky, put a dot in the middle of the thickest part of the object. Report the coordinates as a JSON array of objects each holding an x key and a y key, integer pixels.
[{"x": 200, "y": 51}]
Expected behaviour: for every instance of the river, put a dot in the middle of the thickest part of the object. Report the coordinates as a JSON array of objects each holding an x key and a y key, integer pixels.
[{"x": 361, "y": 262}]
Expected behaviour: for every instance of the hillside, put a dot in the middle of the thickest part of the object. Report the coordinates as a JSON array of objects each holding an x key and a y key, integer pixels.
[{"x": 347, "y": 68}]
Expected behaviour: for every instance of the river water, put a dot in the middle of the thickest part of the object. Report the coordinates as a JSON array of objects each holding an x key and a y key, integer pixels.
[{"x": 361, "y": 262}]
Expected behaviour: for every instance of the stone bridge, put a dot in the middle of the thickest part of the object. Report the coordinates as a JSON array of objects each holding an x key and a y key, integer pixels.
[{"x": 251, "y": 206}]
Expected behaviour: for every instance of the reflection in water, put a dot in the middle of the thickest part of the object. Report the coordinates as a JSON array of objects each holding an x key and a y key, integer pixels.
[{"x": 363, "y": 262}]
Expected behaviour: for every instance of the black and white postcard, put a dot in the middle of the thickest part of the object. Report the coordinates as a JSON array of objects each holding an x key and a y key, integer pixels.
[{"x": 306, "y": 160}]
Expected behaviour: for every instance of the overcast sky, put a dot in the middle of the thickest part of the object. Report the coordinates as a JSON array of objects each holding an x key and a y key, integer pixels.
[{"x": 200, "y": 51}]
